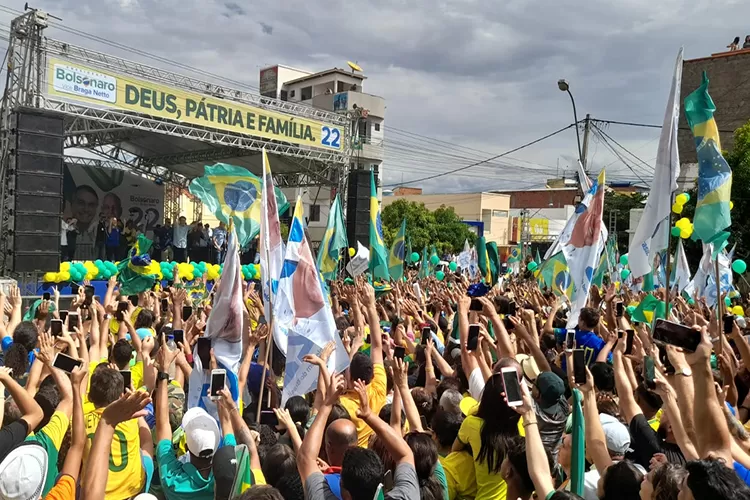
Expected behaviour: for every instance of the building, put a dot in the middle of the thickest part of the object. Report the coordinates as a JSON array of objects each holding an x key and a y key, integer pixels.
[
  {"x": 341, "y": 91},
  {"x": 489, "y": 213},
  {"x": 728, "y": 73}
]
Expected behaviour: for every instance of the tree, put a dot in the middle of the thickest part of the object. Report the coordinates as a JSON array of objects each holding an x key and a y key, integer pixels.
[
  {"x": 442, "y": 227},
  {"x": 621, "y": 204}
]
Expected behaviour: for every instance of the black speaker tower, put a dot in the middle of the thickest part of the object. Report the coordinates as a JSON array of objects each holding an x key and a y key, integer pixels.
[{"x": 358, "y": 208}]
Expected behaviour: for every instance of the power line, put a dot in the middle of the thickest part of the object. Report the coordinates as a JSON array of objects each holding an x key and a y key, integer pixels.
[
  {"x": 606, "y": 142},
  {"x": 489, "y": 159},
  {"x": 624, "y": 148},
  {"x": 646, "y": 125}
]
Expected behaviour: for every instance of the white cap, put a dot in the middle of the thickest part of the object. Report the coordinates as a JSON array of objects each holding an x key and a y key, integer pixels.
[
  {"x": 23, "y": 473},
  {"x": 616, "y": 434},
  {"x": 201, "y": 432}
]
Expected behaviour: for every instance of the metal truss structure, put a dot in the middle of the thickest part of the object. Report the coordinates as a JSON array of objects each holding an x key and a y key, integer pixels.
[{"x": 117, "y": 137}]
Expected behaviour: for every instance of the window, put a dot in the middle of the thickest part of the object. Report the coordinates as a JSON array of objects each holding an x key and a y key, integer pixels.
[
  {"x": 306, "y": 93},
  {"x": 499, "y": 213},
  {"x": 377, "y": 127},
  {"x": 283, "y": 95},
  {"x": 291, "y": 93},
  {"x": 314, "y": 213},
  {"x": 340, "y": 86},
  {"x": 362, "y": 128}
]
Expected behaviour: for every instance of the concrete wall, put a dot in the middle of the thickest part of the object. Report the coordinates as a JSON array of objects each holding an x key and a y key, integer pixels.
[{"x": 542, "y": 198}]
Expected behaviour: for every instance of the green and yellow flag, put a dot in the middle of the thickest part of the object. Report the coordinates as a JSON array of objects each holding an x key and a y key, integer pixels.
[
  {"x": 378, "y": 253},
  {"x": 483, "y": 260},
  {"x": 396, "y": 256},
  {"x": 555, "y": 274},
  {"x": 334, "y": 240},
  {"x": 233, "y": 195},
  {"x": 714, "y": 175}
]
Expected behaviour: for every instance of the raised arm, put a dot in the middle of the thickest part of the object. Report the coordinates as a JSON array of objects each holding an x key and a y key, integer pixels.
[
  {"x": 72, "y": 465},
  {"x": 393, "y": 442},
  {"x": 596, "y": 444},
  {"x": 536, "y": 457},
  {"x": 376, "y": 339},
  {"x": 401, "y": 384},
  {"x": 628, "y": 406},
  {"x": 31, "y": 412}
]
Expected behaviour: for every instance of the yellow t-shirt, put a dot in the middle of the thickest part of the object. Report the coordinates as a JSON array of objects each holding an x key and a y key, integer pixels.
[
  {"x": 126, "y": 476},
  {"x": 459, "y": 472},
  {"x": 376, "y": 395},
  {"x": 136, "y": 375},
  {"x": 490, "y": 486}
]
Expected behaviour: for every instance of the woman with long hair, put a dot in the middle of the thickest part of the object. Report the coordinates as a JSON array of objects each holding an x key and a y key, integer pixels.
[
  {"x": 18, "y": 357},
  {"x": 489, "y": 432},
  {"x": 425, "y": 461}
]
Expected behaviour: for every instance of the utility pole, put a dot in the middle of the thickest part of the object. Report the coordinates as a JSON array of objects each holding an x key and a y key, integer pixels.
[
  {"x": 586, "y": 131},
  {"x": 525, "y": 234}
]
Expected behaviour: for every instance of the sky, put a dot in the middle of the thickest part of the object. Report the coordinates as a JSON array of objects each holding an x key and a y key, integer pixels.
[{"x": 463, "y": 80}]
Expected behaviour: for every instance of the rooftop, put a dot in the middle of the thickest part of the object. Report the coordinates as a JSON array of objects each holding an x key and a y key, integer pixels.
[{"x": 334, "y": 71}]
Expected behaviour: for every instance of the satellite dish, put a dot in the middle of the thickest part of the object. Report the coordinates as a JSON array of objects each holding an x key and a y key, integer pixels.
[{"x": 354, "y": 66}]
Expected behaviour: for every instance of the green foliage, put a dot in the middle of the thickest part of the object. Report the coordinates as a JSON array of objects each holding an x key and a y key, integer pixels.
[
  {"x": 442, "y": 227},
  {"x": 621, "y": 204}
]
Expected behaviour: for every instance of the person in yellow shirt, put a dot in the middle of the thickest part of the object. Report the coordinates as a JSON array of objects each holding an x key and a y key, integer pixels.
[
  {"x": 129, "y": 469},
  {"x": 369, "y": 370}
]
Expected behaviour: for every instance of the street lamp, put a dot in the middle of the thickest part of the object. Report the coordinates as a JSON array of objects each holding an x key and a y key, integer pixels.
[{"x": 563, "y": 85}]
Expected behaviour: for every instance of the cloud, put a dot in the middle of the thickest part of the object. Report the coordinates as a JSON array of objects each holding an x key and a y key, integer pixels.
[{"x": 479, "y": 76}]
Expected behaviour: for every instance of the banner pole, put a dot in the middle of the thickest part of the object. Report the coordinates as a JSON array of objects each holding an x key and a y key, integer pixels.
[
  {"x": 719, "y": 307},
  {"x": 668, "y": 286}
]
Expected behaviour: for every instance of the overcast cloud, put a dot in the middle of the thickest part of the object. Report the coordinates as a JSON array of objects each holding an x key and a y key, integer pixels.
[{"x": 479, "y": 74}]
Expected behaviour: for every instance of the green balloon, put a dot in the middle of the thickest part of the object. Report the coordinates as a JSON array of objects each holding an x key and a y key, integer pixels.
[
  {"x": 440, "y": 275},
  {"x": 739, "y": 266},
  {"x": 531, "y": 266},
  {"x": 624, "y": 273},
  {"x": 453, "y": 266},
  {"x": 434, "y": 260},
  {"x": 675, "y": 231},
  {"x": 727, "y": 301},
  {"x": 624, "y": 260},
  {"x": 691, "y": 301},
  {"x": 415, "y": 257}
]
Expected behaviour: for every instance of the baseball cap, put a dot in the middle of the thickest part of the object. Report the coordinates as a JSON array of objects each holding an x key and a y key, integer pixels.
[
  {"x": 201, "y": 432},
  {"x": 551, "y": 388},
  {"x": 225, "y": 469},
  {"x": 616, "y": 434},
  {"x": 23, "y": 472}
]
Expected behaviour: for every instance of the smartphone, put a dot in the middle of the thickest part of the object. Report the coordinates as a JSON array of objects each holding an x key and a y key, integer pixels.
[
  {"x": 512, "y": 308},
  {"x": 399, "y": 352},
  {"x": 187, "y": 311},
  {"x": 426, "y": 335},
  {"x": 620, "y": 333},
  {"x": 65, "y": 362},
  {"x": 677, "y": 335},
  {"x": 133, "y": 299},
  {"x": 728, "y": 323},
  {"x": 204, "y": 351},
  {"x": 648, "y": 372},
  {"x": 45, "y": 296},
  {"x": 629, "y": 341},
  {"x": 268, "y": 417},
  {"x": 218, "y": 381},
  {"x": 179, "y": 336},
  {"x": 63, "y": 316},
  {"x": 476, "y": 305},
  {"x": 570, "y": 340},
  {"x": 164, "y": 305},
  {"x": 619, "y": 310},
  {"x": 664, "y": 358},
  {"x": 473, "y": 340},
  {"x": 579, "y": 366},
  {"x": 89, "y": 293},
  {"x": 388, "y": 481},
  {"x": 512, "y": 387},
  {"x": 74, "y": 288},
  {"x": 262, "y": 320},
  {"x": 56, "y": 327},
  {"x": 73, "y": 321},
  {"x": 127, "y": 378}
]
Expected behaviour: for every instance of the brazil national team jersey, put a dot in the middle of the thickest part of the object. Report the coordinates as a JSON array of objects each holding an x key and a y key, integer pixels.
[{"x": 590, "y": 342}]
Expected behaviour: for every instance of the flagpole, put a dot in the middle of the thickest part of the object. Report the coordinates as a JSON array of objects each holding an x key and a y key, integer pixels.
[
  {"x": 719, "y": 306},
  {"x": 668, "y": 293}
]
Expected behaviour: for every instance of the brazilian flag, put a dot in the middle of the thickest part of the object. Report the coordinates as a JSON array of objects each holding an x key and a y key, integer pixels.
[
  {"x": 378, "y": 253},
  {"x": 397, "y": 253},
  {"x": 424, "y": 268},
  {"x": 494, "y": 259},
  {"x": 233, "y": 195},
  {"x": 483, "y": 260},
  {"x": 137, "y": 273}
]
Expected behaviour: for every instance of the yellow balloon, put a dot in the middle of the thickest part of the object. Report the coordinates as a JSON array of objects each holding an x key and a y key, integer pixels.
[
  {"x": 64, "y": 266},
  {"x": 677, "y": 208},
  {"x": 731, "y": 205},
  {"x": 49, "y": 277},
  {"x": 683, "y": 223},
  {"x": 686, "y": 233},
  {"x": 352, "y": 252},
  {"x": 738, "y": 310},
  {"x": 681, "y": 199},
  {"x": 63, "y": 276}
]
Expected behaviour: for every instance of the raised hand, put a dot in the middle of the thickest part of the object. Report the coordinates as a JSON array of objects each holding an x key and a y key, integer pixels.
[
  {"x": 364, "y": 410},
  {"x": 130, "y": 405},
  {"x": 46, "y": 349}
]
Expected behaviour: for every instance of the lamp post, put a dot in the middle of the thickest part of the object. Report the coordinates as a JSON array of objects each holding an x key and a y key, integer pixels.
[{"x": 563, "y": 85}]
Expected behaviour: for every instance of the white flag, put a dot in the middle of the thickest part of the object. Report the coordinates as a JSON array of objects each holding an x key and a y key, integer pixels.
[
  {"x": 681, "y": 278},
  {"x": 652, "y": 234}
]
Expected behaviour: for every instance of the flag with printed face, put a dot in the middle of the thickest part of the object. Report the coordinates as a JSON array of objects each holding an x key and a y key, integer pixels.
[
  {"x": 582, "y": 243},
  {"x": 224, "y": 328},
  {"x": 712, "y": 215},
  {"x": 652, "y": 234},
  {"x": 232, "y": 194},
  {"x": 271, "y": 249},
  {"x": 303, "y": 306},
  {"x": 378, "y": 253},
  {"x": 334, "y": 240},
  {"x": 397, "y": 254}
]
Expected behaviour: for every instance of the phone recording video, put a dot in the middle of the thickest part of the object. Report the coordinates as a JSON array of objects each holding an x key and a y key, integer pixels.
[
  {"x": 476, "y": 305},
  {"x": 619, "y": 309},
  {"x": 664, "y": 358},
  {"x": 73, "y": 321},
  {"x": 89, "y": 294},
  {"x": 426, "y": 335},
  {"x": 45, "y": 296},
  {"x": 127, "y": 379},
  {"x": 399, "y": 352},
  {"x": 164, "y": 305},
  {"x": 65, "y": 362},
  {"x": 677, "y": 335},
  {"x": 187, "y": 311},
  {"x": 579, "y": 366},
  {"x": 179, "y": 336},
  {"x": 512, "y": 308},
  {"x": 269, "y": 418},
  {"x": 649, "y": 372},
  {"x": 629, "y": 341},
  {"x": 218, "y": 381},
  {"x": 473, "y": 341},
  {"x": 63, "y": 316},
  {"x": 56, "y": 327},
  {"x": 570, "y": 340},
  {"x": 728, "y": 323},
  {"x": 512, "y": 387},
  {"x": 204, "y": 351}
]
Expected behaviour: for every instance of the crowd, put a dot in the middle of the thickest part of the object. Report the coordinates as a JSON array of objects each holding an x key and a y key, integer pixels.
[
  {"x": 447, "y": 396},
  {"x": 182, "y": 242}
]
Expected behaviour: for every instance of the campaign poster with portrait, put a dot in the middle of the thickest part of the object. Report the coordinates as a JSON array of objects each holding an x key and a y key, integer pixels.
[{"x": 91, "y": 192}]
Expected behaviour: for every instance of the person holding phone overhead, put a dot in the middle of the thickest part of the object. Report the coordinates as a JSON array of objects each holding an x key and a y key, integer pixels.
[{"x": 585, "y": 337}]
